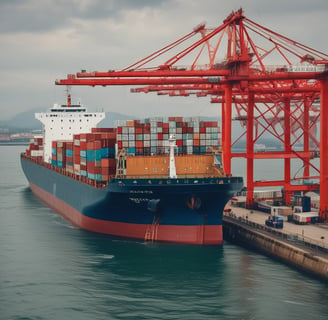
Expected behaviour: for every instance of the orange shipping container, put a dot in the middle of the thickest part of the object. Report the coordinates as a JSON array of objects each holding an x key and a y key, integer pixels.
[
  {"x": 202, "y": 165},
  {"x": 106, "y": 163}
]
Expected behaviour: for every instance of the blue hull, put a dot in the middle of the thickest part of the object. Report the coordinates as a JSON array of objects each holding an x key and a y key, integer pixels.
[{"x": 140, "y": 208}]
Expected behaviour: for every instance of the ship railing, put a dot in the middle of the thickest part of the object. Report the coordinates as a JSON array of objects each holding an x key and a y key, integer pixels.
[
  {"x": 293, "y": 238},
  {"x": 181, "y": 180}
]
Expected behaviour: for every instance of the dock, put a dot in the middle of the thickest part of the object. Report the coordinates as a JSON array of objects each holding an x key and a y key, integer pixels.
[{"x": 304, "y": 247}]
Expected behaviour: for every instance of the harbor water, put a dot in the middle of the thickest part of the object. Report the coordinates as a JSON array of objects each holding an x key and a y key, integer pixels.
[{"x": 52, "y": 270}]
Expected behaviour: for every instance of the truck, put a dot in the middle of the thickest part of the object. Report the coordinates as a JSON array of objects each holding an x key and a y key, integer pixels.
[{"x": 275, "y": 221}]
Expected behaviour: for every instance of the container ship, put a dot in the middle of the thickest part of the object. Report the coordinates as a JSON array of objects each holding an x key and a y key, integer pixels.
[{"x": 152, "y": 179}]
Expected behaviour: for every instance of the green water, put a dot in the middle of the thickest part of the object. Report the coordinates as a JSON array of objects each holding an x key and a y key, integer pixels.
[{"x": 51, "y": 270}]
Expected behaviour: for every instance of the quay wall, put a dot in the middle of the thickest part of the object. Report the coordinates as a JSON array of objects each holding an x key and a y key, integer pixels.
[{"x": 247, "y": 236}]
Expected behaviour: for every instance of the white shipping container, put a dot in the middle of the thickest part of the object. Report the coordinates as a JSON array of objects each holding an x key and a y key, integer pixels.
[
  {"x": 37, "y": 153},
  {"x": 304, "y": 217},
  {"x": 125, "y": 137},
  {"x": 120, "y": 123}
]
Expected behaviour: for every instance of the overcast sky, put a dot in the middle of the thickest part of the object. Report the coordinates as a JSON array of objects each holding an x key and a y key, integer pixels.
[{"x": 41, "y": 41}]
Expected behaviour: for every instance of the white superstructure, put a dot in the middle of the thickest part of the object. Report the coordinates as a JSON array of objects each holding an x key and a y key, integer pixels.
[{"x": 63, "y": 121}]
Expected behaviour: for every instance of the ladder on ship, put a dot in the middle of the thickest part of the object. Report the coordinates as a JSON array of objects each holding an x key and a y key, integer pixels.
[
  {"x": 121, "y": 164},
  {"x": 152, "y": 229}
]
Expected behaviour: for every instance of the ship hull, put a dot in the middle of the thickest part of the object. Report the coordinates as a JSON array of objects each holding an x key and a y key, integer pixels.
[{"x": 177, "y": 210}]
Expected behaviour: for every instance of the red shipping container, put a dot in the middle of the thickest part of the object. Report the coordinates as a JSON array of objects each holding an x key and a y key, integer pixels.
[
  {"x": 69, "y": 159},
  {"x": 104, "y": 171},
  {"x": 83, "y": 145},
  {"x": 119, "y": 130},
  {"x": 202, "y": 130},
  {"x": 160, "y": 136},
  {"x": 119, "y": 144},
  {"x": 179, "y": 143},
  {"x": 102, "y": 130},
  {"x": 104, "y": 163},
  {"x": 111, "y": 142},
  {"x": 97, "y": 144},
  {"x": 91, "y": 166},
  {"x": 90, "y": 145},
  {"x": 69, "y": 145},
  {"x": 139, "y": 144}
]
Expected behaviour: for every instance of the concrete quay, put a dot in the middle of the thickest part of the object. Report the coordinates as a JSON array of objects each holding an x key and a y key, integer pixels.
[{"x": 304, "y": 247}]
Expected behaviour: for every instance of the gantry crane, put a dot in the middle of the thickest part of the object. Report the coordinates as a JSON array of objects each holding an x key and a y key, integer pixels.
[{"x": 268, "y": 82}]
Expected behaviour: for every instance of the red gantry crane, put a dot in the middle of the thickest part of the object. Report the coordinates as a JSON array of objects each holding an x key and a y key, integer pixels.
[{"x": 270, "y": 83}]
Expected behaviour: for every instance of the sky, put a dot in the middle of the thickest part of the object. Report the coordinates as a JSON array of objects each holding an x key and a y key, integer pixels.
[{"x": 41, "y": 41}]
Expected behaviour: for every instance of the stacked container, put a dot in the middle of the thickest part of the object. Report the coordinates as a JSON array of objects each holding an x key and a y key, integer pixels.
[
  {"x": 90, "y": 155},
  {"x": 35, "y": 148},
  {"x": 93, "y": 155},
  {"x": 151, "y": 136}
]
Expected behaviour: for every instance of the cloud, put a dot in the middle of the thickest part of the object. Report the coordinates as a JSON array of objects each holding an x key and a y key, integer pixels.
[{"x": 44, "y": 40}]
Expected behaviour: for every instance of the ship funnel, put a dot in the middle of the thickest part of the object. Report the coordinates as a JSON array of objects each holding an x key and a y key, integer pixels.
[{"x": 172, "y": 144}]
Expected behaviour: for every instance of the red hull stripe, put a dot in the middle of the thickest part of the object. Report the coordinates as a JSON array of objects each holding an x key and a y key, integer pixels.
[{"x": 201, "y": 234}]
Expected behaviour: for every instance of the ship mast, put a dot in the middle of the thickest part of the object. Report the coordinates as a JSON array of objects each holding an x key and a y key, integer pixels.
[{"x": 173, "y": 172}]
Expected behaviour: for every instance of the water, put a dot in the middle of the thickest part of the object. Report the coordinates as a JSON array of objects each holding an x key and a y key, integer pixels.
[{"x": 51, "y": 270}]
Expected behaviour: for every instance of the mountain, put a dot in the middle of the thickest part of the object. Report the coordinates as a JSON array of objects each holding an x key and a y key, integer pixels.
[{"x": 24, "y": 121}]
